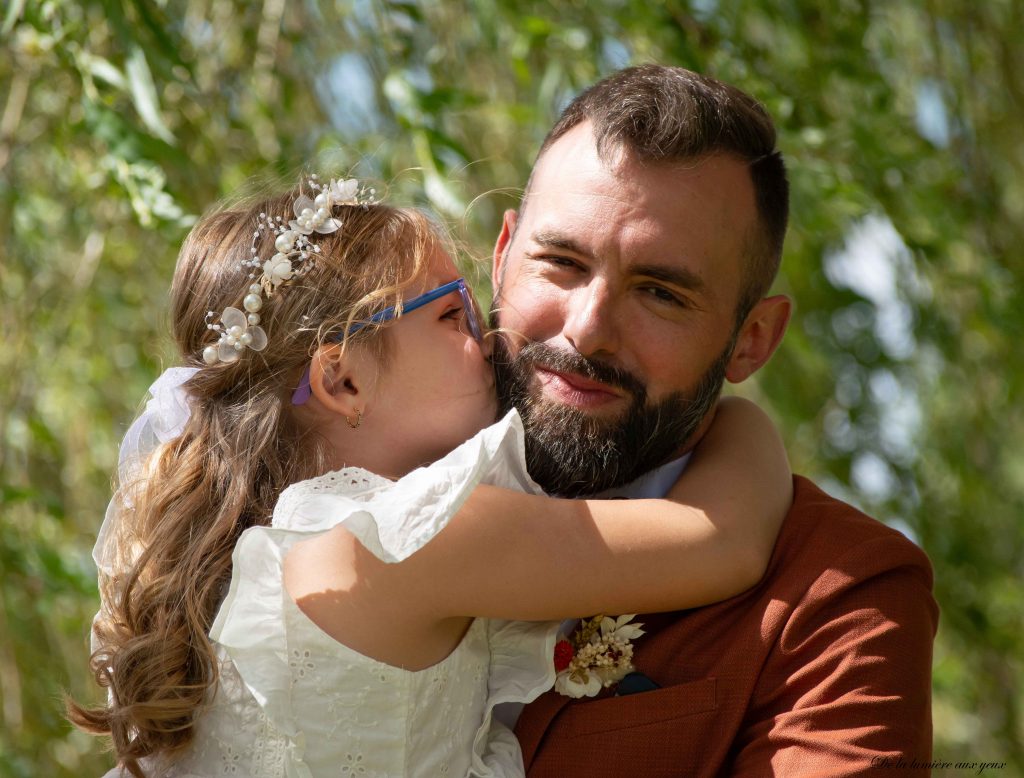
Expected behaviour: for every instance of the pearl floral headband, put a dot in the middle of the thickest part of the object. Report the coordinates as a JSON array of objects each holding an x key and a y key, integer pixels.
[{"x": 295, "y": 257}]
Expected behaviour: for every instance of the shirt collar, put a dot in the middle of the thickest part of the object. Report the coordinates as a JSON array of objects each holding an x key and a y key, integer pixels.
[{"x": 652, "y": 484}]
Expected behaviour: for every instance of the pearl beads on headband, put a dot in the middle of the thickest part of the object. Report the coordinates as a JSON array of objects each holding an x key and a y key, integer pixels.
[
  {"x": 240, "y": 330},
  {"x": 237, "y": 330}
]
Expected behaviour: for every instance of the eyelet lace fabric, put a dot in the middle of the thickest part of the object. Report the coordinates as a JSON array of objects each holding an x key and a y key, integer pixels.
[{"x": 294, "y": 703}]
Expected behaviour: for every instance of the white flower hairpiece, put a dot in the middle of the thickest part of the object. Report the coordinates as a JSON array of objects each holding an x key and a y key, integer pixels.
[{"x": 294, "y": 258}]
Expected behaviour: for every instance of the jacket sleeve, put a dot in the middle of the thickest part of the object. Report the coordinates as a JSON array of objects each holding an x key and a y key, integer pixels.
[{"x": 847, "y": 687}]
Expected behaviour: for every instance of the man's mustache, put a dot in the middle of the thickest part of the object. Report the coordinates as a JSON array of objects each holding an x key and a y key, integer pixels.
[{"x": 565, "y": 361}]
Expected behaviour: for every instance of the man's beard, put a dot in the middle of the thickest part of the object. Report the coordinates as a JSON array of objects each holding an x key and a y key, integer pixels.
[{"x": 571, "y": 453}]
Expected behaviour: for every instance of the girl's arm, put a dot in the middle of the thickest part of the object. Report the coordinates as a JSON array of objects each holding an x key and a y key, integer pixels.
[
  {"x": 518, "y": 556},
  {"x": 521, "y": 556}
]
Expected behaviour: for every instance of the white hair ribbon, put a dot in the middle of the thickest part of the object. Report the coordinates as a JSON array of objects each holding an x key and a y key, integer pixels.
[{"x": 162, "y": 421}]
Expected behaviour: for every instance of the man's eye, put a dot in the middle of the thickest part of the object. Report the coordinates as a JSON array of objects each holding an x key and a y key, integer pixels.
[
  {"x": 664, "y": 295},
  {"x": 560, "y": 262}
]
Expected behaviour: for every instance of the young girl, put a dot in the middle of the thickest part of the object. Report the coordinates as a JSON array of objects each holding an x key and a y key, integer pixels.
[{"x": 275, "y": 603}]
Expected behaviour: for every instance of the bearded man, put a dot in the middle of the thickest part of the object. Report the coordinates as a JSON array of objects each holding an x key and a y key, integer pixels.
[{"x": 632, "y": 282}]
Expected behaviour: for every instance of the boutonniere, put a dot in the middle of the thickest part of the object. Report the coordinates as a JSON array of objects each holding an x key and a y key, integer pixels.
[{"x": 596, "y": 655}]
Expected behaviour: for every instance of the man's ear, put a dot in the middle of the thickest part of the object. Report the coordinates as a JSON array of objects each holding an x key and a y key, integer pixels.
[
  {"x": 342, "y": 380},
  {"x": 508, "y": 226},
  {"x": 759, "y": 336}
]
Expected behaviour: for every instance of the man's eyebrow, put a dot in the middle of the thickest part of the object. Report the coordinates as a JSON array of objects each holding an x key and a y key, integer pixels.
[
  {"x": 556, "y": 240},
  {"x": 677, "y": 276}
]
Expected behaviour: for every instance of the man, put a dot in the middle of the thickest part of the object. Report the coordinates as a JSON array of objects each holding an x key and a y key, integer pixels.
[{"x": 632, "y": 283}]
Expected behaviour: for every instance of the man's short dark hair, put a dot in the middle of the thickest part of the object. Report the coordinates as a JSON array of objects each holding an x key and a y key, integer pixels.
[{"x": 670, "y": 114}]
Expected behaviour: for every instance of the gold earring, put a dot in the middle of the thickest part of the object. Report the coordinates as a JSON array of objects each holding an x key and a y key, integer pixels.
[{"x": 359, "y": 420}]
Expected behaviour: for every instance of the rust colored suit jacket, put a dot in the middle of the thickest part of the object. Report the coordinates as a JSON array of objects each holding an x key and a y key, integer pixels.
[{"x": 822, "y": 669}]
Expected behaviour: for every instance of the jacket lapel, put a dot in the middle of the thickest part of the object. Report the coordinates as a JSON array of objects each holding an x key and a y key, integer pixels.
[{"x": 535, "y": 720}]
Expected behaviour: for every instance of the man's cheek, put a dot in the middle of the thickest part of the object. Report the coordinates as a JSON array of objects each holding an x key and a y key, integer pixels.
[{"x": 536, "y": 315}]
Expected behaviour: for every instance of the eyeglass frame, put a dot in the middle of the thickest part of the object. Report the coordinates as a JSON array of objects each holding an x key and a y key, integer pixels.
[{"x": 303, "y": 391}]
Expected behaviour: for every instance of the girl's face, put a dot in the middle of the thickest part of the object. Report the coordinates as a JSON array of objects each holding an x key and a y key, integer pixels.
[{"x": 437, "y": 389}]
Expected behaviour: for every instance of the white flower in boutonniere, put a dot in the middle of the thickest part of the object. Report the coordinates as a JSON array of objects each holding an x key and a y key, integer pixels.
[{"x": 598, "y": 654}]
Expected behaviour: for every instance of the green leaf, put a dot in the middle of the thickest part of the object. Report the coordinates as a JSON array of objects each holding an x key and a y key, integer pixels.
[
  {"x": 143, "y": 92},
  {"x": 14, "y": 9},
  {"x": 104, "y": 69}
]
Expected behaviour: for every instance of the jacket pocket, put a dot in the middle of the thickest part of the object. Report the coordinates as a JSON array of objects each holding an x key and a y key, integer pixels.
[{"x": 616, "y": 714}]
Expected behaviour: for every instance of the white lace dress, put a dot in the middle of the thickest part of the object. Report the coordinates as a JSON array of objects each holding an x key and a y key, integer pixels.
[{"x": 294, "y": 703}]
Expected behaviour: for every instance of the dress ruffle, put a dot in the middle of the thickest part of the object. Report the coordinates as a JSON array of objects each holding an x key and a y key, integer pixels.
[
  {"x": 393, "y": 520},
  {"x": 522, "y": 668},
  {"x": 250, "y": 625}
]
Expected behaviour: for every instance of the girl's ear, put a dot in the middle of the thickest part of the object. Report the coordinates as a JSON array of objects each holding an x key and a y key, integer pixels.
[{"x": 343, "y": 380}]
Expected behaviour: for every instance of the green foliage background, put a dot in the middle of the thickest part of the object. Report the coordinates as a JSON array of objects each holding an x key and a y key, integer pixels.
[{"x": 123, "y": 119}]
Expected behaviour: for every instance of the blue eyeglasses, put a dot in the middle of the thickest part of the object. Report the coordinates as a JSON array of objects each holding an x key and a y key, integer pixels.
[{"x": 303, "y": 391}]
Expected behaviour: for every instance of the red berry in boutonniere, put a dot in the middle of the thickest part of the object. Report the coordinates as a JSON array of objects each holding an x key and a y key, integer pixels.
[{"x": 563, "y": 655}]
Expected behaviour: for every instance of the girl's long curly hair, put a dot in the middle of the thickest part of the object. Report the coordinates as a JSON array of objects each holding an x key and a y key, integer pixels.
[{"x": 180, "y": 519}]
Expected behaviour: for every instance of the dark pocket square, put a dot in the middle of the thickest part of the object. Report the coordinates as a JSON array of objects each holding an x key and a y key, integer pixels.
[{"x": 635, "y": 683}]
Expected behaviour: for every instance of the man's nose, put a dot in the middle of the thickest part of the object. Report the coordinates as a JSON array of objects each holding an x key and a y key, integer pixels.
[{"x": 591, "y": 325}]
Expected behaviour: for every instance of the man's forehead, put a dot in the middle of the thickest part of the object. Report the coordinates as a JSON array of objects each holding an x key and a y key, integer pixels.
[
  {"x": 652, "y": 213},
  {"x": 571, "y": 161},
  {"x": 572, "y": 181}
]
